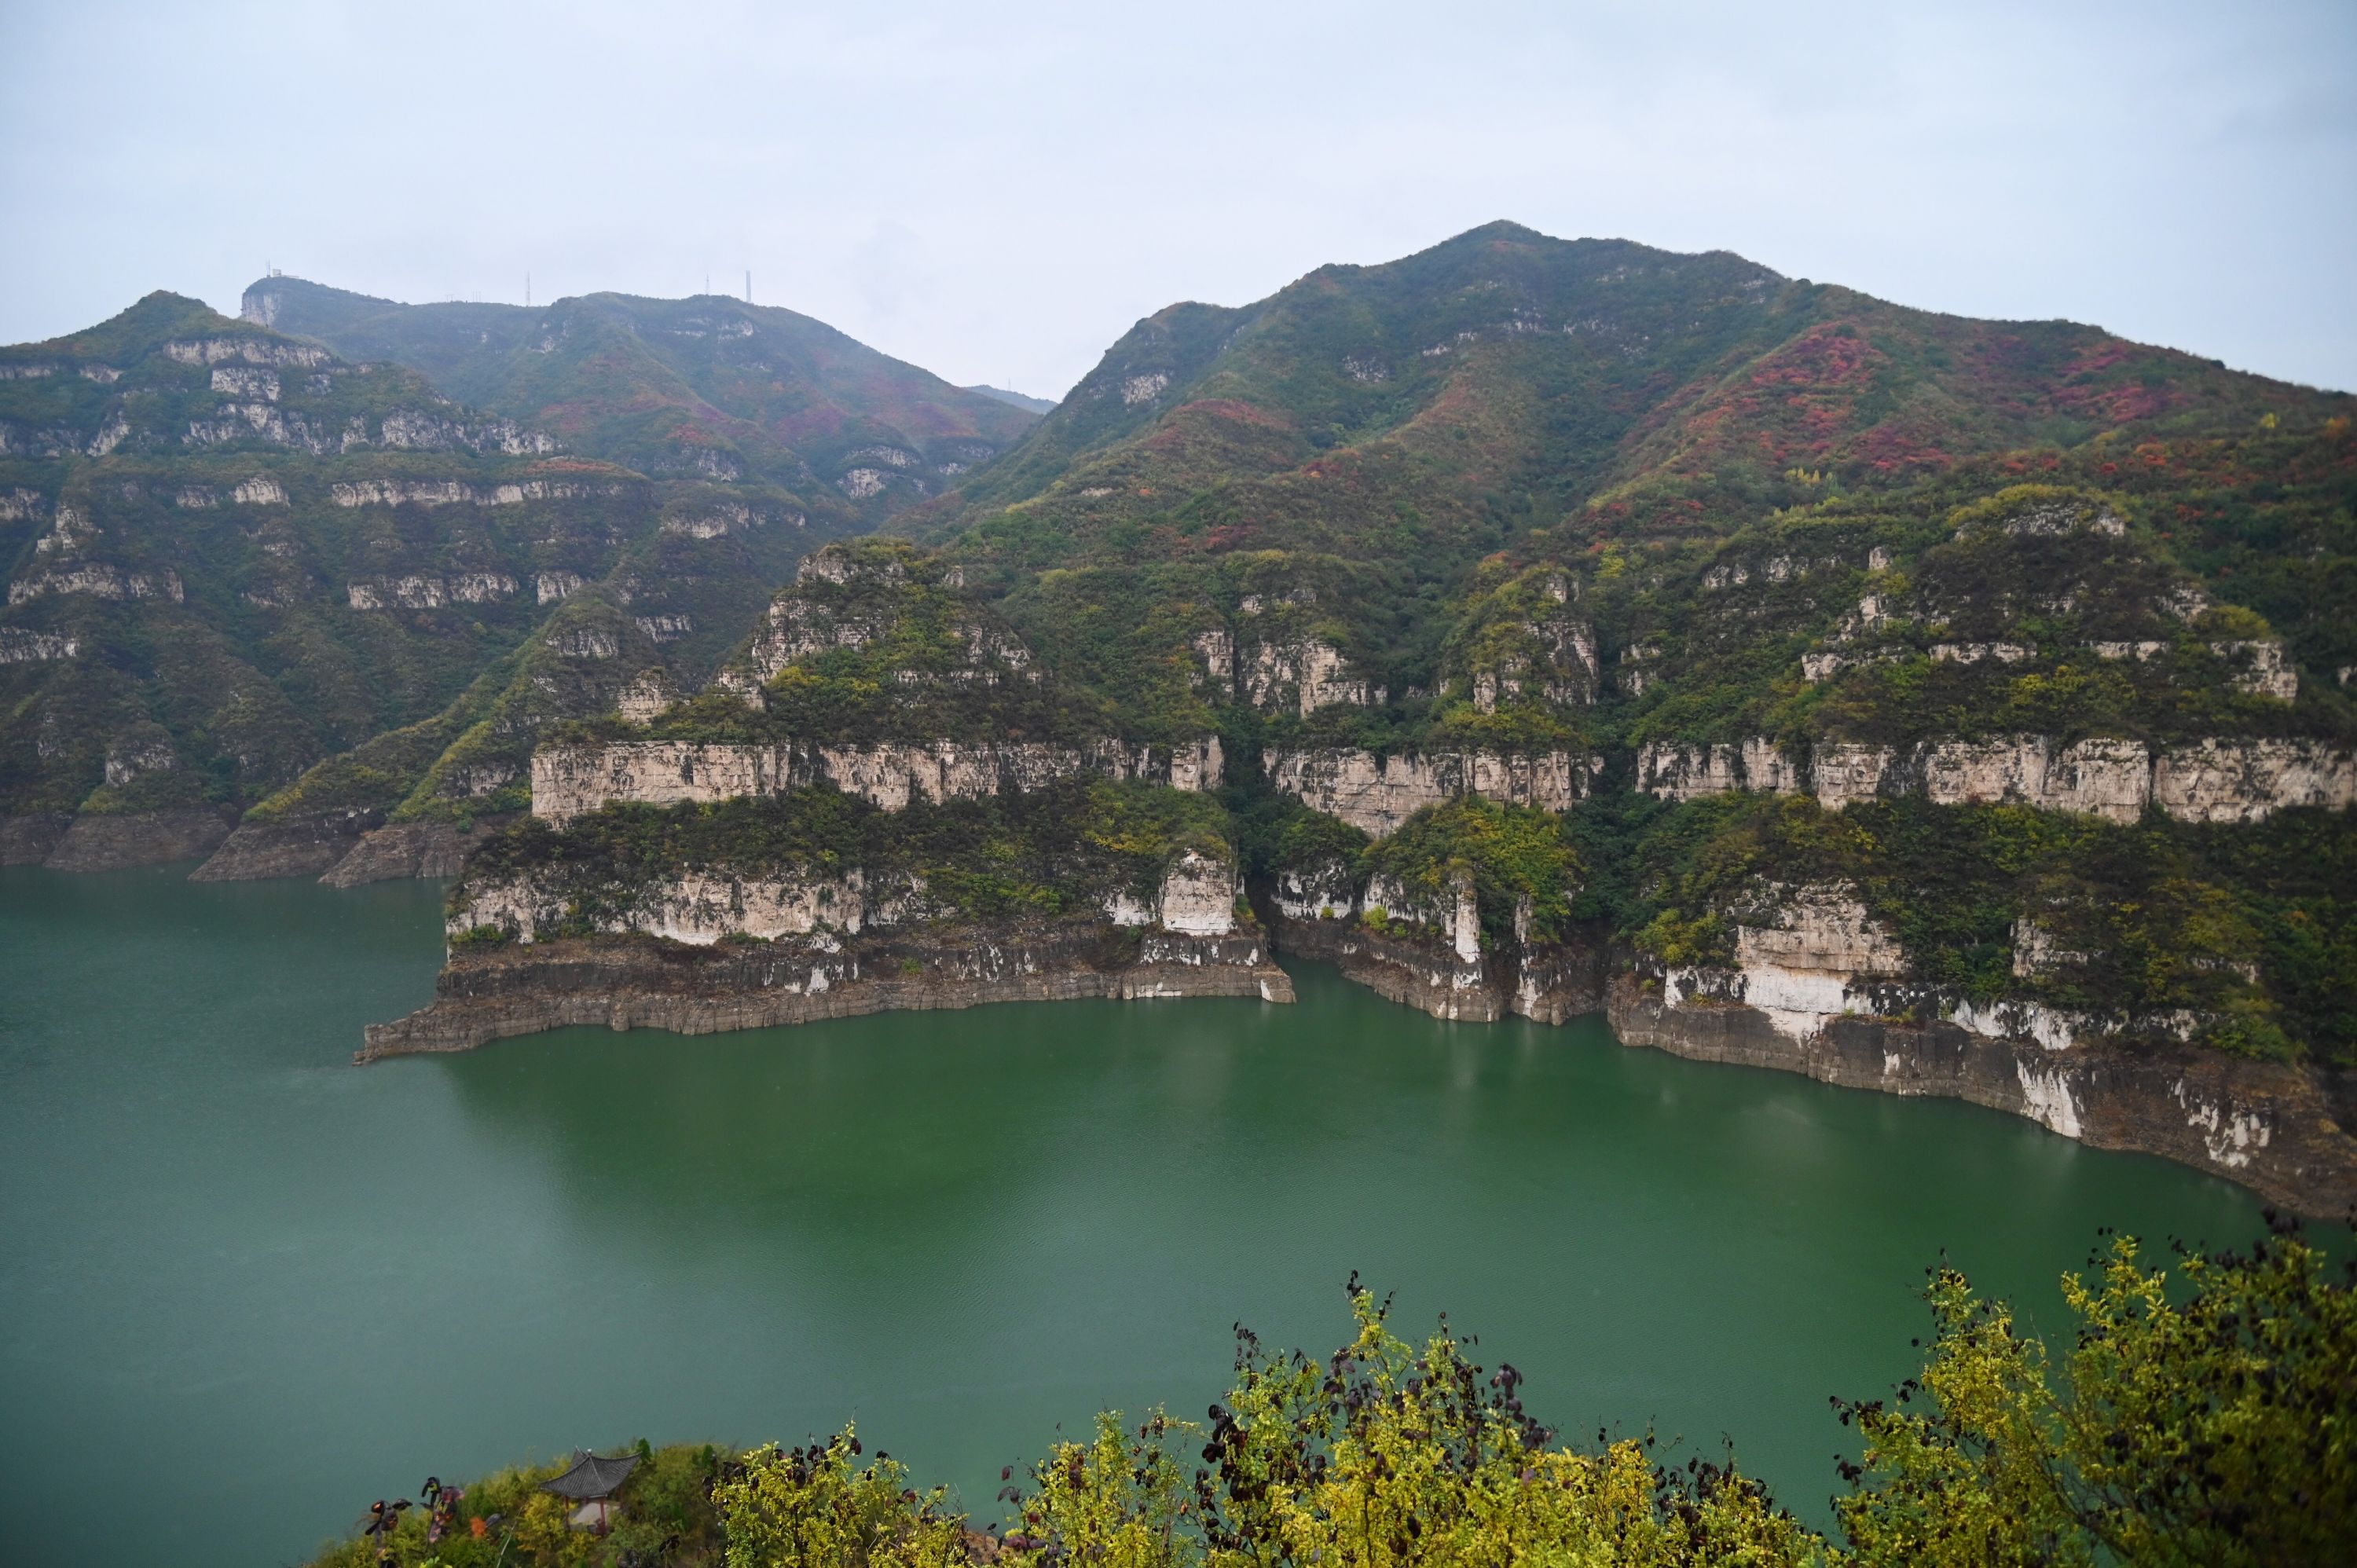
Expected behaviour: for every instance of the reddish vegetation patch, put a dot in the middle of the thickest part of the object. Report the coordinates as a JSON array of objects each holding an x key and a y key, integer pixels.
[
  {"x": 564, "y": 418},
  {"x": 2119, "y": 404},
  {"x": 1833, "y": 355},
  {"x": 2101, "y": 357},
  {"x": 1892, "y": 449},
  {"x": 574, "y": 465}
]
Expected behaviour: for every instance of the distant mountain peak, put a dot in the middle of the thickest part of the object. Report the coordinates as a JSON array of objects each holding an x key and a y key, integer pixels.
[{"x": 1024, "y": 401}]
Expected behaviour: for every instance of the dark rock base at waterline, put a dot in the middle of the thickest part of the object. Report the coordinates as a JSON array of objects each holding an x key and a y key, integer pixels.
[
  {"x": 111, "y": 842},
  {"x": 303, "y": 846},
  {"x": 411, "y": 848},
  {"x": 29, "y": 839},
  {"x": 2278, "y": 1129},
  {"x": 625, "y": 983}
]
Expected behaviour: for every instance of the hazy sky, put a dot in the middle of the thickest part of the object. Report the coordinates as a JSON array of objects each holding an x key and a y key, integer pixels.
[{"x": 998, "y": 190}]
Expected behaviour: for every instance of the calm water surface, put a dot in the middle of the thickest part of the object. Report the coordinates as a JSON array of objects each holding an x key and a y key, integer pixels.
[{"x": 247, "y": 1287}]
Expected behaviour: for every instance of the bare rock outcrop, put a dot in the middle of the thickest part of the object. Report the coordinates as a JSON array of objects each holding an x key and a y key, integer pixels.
[
  {"x": 1198, "y": 897},
  {"x": 29, "y": 839},
  {"x": 2219, "y": 780},
  {"x": 1433, "y": 970},
  {"x": 1376, "y": 794},
  {"x": 492, "y": 992},
  {"x": 569, "y": 780}
]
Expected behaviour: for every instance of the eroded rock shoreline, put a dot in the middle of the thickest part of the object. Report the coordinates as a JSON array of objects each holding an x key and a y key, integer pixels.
[
  {"x": 2278, "y": 1128},
  {"x": 640, "y": 981},
  {"x": 1816, "y": 991}
]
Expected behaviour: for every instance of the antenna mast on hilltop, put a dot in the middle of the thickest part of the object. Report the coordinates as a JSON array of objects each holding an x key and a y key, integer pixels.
[
  {"x": 527, "y": 291},
  {"x": 748, "y": 285}
]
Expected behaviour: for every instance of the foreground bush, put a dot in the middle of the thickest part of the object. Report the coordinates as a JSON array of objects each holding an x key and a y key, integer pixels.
[{"x": 2207, "y": 1418}]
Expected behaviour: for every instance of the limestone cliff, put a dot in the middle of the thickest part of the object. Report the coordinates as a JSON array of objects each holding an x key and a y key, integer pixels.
[
  {"x": 2216, "y": 780},
  {"x": 568, "y": 781},
  {"x": 1376, "y": 794},
  {"x": 624, "y": 983}
]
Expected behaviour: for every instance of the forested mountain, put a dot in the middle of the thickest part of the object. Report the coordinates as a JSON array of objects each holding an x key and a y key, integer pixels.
[
  {"x": 232, "y": 555},
  {"x": 708, "y": 387},
  {"x": 1944, "y": 705},
  {"x": 1599, "y": 401}
]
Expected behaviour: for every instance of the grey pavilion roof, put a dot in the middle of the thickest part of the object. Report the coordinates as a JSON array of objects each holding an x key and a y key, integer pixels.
[{"x": 592, "y": 1478}]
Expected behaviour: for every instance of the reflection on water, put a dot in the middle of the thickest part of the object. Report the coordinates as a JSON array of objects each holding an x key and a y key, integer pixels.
[{"x": 961, "y": 1229}]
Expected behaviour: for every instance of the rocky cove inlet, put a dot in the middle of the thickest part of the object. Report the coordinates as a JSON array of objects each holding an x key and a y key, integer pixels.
[{"x": 221, "y": 1242}]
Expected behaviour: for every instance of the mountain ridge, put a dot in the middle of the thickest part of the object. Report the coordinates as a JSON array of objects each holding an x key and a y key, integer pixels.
[{"x": 708, "y": 385}]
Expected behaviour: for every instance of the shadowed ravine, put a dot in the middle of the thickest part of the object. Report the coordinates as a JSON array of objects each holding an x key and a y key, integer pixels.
[{"x": 310, "y": 1285}]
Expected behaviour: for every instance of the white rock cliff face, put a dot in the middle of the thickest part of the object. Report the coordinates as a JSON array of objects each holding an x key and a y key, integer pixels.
[
  {"x": 1376, "y": 795},
  {"x": 567, "y": 781},
  {"x": 2239, "y": 780},
  {"x": 99, "y": 580},
  {"x": 1304, "y": 675},
  {"x": 1798, "y": 968},
  {"x": 20, "y": 646},
  {"x": 1197, "y": 897},
  {"x": 696, "y": 906}
]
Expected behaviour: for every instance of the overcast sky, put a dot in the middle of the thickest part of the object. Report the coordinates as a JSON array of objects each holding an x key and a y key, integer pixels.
[{"x": 998, "y": 190}]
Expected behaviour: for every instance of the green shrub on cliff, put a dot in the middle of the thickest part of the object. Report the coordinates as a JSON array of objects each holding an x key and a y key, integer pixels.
[
  {"x": 2249, "y": 929},
  {"x": 1060, "y": 849},
  {"x": 1521, "y": 864}
]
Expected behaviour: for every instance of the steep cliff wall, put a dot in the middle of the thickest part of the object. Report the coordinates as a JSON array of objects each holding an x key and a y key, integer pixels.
[
  {"x": 2241, "y": 781},
  {"x": 1816, "y": 987},
  {"x": 569, "y": 780},
  {"x": 635, "y": 982},
  {"x": 1431, "y": 971},
  {"x": 1377, "y": 794}
]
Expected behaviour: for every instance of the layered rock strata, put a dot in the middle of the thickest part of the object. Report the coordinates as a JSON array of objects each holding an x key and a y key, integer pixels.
[
  {"x": 2217, "y": 780},
  {"x": 1376, "y": 794},
  {"x": 640, "y": 981},
  {"x": 568, "y": 781}
]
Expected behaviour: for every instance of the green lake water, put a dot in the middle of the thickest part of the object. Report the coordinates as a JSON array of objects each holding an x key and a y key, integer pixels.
[{"x": 247, "y": 1287}]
